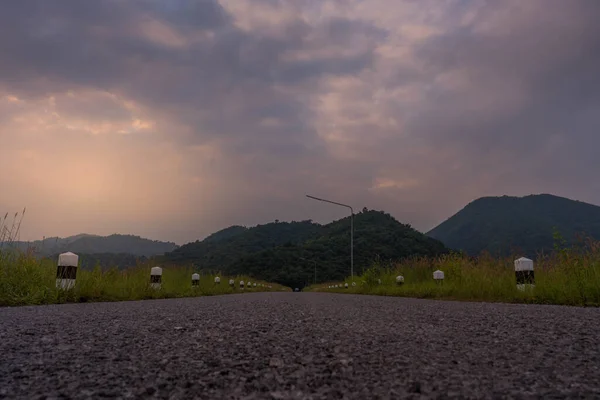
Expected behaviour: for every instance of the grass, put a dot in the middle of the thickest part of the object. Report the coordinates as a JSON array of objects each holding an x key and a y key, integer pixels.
[
  {"x": 27, "y": 280},
  {"x": 568, "y": 276}
]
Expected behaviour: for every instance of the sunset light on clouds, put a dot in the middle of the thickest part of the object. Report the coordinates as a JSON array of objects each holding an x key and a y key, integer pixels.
[{"x": 173, "y": 119}]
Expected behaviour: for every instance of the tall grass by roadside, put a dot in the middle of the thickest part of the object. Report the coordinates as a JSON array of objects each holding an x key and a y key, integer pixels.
[
  {"x": 9, "y": 230},
  {"x": 29, "y": 280},
  {"x": 568, "y": 276}
]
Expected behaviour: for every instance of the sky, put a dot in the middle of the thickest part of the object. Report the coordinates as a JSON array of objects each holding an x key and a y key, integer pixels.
[{"x": 174, "y": 119}]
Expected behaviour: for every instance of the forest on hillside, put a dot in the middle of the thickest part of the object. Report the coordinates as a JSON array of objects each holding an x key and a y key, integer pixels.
[
  {"x": 288, "y": 252},
  {"x": 518, "y": 225}
]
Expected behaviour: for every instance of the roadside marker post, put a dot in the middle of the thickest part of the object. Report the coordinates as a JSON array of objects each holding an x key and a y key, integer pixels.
[
  {"x": 242, "y": 285},
  {"x": 156, "y": 277},
  {"x": 217, "y": 280},
  {"x": 524, "y": 273},
  {"x": 400, "y": 280},
  {"x": 195, "y": 280},
  {"x": 438, "y": 276},
  {"x": 66, "y": 270}
]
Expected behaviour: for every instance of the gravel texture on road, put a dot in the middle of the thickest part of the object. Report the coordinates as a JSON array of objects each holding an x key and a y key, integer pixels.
[{"x": 299, "y": 346}]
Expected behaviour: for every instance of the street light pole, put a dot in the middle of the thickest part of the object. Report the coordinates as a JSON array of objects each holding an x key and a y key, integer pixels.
[{"x": 351, "y": 230}]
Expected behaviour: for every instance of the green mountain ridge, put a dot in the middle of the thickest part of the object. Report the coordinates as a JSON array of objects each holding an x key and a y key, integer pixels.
[
  {"x": 275, "y": 251},
  {"x": 225, "y": 246},
  {"x": 509, "y": 225},
  {"x": 224, "y": 234}
]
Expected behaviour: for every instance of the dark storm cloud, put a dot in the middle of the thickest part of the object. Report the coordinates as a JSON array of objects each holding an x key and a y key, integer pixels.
[
  {"x": 528, "y": 103},
  {"x": 52, "y": 40},
  {"x": 500, "y": 102},
  {"x": 190, "y": 15},
  {"x": 62, "y": 44},
  {"x": 550, "y": 58}
]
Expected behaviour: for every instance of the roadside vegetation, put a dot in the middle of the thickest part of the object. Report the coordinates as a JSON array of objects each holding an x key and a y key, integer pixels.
[
  {"x": 567, "y": 276},
  {"x": 26, "y": 279}
]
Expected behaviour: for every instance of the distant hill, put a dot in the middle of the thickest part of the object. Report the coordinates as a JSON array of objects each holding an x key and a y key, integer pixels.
[
  {"x": 523, "y": 225},
  {"x": 275, "y": 251},
  {"x": 94, "y": 244}
]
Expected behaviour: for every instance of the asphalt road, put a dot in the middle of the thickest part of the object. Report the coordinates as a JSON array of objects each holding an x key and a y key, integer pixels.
[{"x": 299, "y": 346}]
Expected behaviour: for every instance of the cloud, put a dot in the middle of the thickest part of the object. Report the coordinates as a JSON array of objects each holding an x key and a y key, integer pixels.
[
  {"x": 509, "y": 85},
  {"x": 174, "y": 119}
]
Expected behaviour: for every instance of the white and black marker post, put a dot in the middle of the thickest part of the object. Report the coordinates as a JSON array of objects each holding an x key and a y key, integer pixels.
[
  {"x": 524, "y": 273},
  {"x": 241, "y": 284},
  {"x": 438, "y": 276},
  {"x": 400, "y": 280},
  {"x": 217, "y": 280},
  {"x": 195, "y": 280},
  {"x": 231, "y": 283},
  {"x": 66, "y": 270},
  {"x": 156, "y": 277}
]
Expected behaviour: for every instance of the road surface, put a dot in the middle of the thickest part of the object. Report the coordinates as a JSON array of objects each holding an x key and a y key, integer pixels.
[{"x": 299, "y": 346}]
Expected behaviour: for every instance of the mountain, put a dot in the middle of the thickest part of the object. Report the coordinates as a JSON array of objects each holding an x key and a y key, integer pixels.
[
  {"x": 94, "y": 244},
  {"x": 224, "y": 247},
  {"x": 517, "y": 225},
  {"x": 286, "y": 252},
  {"x": 225, "y": 234}
]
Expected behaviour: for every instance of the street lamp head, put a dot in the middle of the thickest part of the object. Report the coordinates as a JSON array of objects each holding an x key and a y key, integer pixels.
[{"x": 332, "y": 202}]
